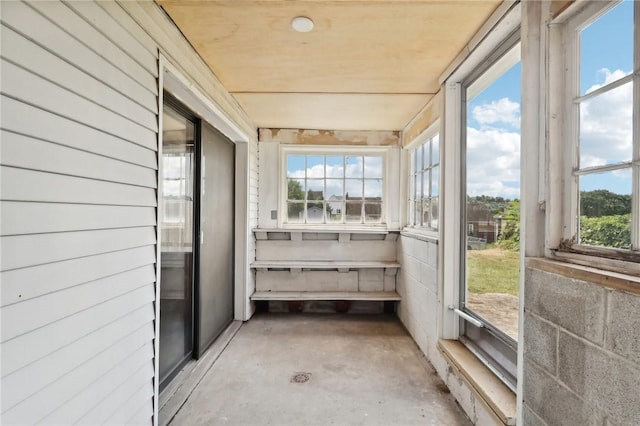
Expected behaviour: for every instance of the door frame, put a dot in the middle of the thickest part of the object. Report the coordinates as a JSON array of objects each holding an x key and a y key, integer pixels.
[{"x": 174, "y": 81}]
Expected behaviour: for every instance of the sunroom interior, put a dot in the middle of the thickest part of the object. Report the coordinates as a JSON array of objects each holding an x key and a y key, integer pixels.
[{"x": 173, "y": 169}]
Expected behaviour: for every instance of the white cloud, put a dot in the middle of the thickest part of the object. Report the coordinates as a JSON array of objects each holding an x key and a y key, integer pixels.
[
  {"x": 606, "y": 123},
  {"x": 493, "y": 162},
  {"x": 502, "y": 111},
  {"x": 493, "y": 150}
]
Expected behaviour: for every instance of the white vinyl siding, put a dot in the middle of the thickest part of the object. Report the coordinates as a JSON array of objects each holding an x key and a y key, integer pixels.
[{"x": 78, "y": 203}]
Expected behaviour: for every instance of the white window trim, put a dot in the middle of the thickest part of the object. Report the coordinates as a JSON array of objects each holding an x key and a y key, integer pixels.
[
  {"x": 388, "y": 170},
  {"x": 562, "y": 213},
  {"x": 426, "y": 135},
  {"x": 450, "y": 166},
  {"x": 501, "y": 25}
]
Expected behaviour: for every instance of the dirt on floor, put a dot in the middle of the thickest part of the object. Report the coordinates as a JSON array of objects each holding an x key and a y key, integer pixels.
[{"x": 499, "y": 309}]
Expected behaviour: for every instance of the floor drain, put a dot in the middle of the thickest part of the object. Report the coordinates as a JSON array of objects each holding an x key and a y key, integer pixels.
[{"x": 300, "y": 377}]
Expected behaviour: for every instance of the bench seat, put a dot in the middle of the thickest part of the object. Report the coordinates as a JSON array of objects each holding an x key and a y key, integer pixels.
[{"x": 371, "y": 296}]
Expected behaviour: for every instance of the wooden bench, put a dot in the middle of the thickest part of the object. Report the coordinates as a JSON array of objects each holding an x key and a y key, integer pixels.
[
  {"x": 324, "y": 264},
  {"x": 299, "y": 265},
  {"x": 344, "y": 235},
  {"x": 371, "y": 296}
]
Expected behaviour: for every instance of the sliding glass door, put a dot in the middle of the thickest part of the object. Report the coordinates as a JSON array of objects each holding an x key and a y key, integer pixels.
[{"x": 197, "y": 237}]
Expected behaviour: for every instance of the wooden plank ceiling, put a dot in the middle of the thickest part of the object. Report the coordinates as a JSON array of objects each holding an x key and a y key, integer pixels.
[{"x": 366, "y": 65}]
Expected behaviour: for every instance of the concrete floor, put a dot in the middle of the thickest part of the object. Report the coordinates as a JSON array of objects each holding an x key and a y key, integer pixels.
[{"x": 364, "y": 370}]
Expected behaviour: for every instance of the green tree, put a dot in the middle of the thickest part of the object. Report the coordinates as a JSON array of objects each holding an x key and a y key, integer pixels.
[
  {"x": 606, "y": 231},
  {"x": 509, "y": 238},
  {"x": 495, "y": 204},
  {"x": 601, "y": 202},
  {"x": 296, "y": 194},
  {"x": 295, "y": 190}
]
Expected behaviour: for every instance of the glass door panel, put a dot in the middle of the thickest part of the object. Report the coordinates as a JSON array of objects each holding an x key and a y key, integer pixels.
[
  {"x": 217, "y": 195},
  {"x": 177, "y": 251}
]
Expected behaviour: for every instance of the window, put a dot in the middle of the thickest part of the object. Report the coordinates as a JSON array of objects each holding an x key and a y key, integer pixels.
[
  {"x": 334, "y": 187},
  {"x": 423, "y": 180},
  {"x": 490, "y": 277},
  {"x": 602, "y": 194}
]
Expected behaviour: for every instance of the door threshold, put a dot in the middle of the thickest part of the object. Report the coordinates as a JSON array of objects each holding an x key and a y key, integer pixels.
[{"x": 178, "y": 391}]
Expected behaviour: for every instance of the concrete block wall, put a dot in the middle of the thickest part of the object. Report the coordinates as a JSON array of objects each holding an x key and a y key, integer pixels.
[
  {"x": 582, "y": 353},
  {"x": 420, "y": 312},
  {"x": 417, "y": 283}
]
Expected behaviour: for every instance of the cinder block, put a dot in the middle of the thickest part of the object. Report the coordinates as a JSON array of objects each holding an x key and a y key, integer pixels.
[
  {"x": 576, "y": 305},
  {"x": 606, "y": 382},
  {"x": 553, "y": 403},
  {"x": 430, "y": 315},
  {"x": 400, "y": 246},
  {"x": 420, "y": 337},
  {"x": 429, "y": 277},
  {"x": 375, "y": 274},
  {"x": 412, "y": 267},
  {"x": 623, "y": 327},
  {"x": 371, "y": 286},
  {"x": 306, "y": 281},
  {"x": 420, "y": 298},
  {"x": 348, "y": 281},
  {"x": 461, "y": 392},
  {"x": 422, "y": 250},
  {"x": 529, "y": 418},
  {"x": 371, "y": 279},
  {"x": 433, "y": 255},
  {"x": 400, "y": 284},
  {"x": 271, "y": 280},
  {"x": 437, "y": 361},
  {"x": 402, "y": 313},
  {"x": 540, "y": 342},
  {"x": 408, "y": 245},
  {"x": 389, "y": 283},
  {"x": 484, "y": 416}
]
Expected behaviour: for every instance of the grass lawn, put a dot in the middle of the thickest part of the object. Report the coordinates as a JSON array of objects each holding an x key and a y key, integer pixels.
[{"x": 493, "y": 271}]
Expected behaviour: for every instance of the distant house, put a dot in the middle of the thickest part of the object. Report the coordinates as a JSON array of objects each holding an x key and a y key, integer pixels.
[
  {"x": 372, "y": 207},
  {"x": 481, "y": 222}
]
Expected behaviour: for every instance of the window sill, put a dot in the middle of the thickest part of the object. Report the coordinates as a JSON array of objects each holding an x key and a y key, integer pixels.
[
  {"x": 373, "y": 229},
  {"x": 420, "y": 234},
  {"x": 494, "y": 394},
  {"x": 614, "y": 280}
]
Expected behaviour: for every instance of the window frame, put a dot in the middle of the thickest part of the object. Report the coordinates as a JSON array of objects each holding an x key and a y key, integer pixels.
[
  {"x": 486, "y": 341},
  {"x": 507, "y": 22},
  {"x": 563, "y": 233},
  {"x": 328, "y": 150},
  {"x": 427, "y": 137}
]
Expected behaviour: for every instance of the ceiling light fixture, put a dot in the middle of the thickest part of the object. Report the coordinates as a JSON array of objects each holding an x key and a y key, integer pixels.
[{"x": 302, "y": 24}]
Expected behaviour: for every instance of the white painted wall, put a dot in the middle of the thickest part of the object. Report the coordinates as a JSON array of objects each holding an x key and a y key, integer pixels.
[
  {"x": 421, "y": 313},
  {"x": 79, "y": 101}
]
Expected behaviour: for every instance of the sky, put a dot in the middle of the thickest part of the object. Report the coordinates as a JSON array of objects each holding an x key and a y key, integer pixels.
[{"x": 493, "y": 116}]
